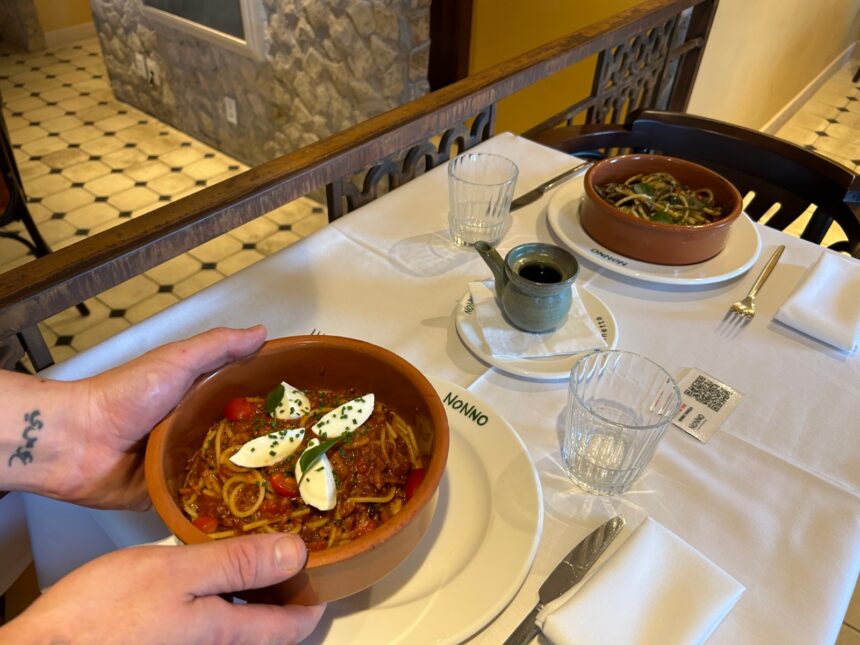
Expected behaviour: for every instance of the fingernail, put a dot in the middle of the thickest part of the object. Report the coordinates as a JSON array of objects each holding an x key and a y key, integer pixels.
[{"x": 289, "y": 555}]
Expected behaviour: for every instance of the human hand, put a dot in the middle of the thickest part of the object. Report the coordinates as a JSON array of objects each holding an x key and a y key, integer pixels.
[
  {"x": 167, "y": 594},
  {"x": 122, "y": 405}
]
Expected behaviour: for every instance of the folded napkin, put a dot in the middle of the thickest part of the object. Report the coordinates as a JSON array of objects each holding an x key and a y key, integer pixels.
[
  {"x": 578, "y": 333},
  {"x": 826, "y": 302},
  {"x": 655, "y": 589}
]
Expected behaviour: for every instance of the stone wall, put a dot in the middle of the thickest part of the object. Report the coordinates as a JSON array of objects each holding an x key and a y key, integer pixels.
[
  {"x": 328, "y": 64},
  {"x": 19, "y": 25}
]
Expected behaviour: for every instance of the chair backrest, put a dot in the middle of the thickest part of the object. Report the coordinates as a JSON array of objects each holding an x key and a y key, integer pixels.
[{"x": 778, "y": 172}]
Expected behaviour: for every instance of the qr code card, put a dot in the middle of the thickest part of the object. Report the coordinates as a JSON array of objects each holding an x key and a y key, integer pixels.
[{"x": 705, "y": 404}]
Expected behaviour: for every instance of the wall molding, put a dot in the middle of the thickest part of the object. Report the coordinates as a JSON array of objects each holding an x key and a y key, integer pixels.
[
  {"x": 781, "y": 118},
  {"x": 67, "y": 35}
]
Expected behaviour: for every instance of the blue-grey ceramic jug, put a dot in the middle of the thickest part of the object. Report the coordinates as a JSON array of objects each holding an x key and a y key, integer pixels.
[{"x": 532, "y": 283}]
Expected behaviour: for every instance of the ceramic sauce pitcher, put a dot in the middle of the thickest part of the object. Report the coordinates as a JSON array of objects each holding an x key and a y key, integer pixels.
[{"x": 532, "y": 283}]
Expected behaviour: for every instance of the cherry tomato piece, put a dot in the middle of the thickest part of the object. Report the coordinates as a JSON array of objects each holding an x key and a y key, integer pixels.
[
  {"x": 285, "y": 486},
  {"x": 413, "y": 481},
  {"x": 206, "y": 524},
  {"x": 238, "y": 409}
]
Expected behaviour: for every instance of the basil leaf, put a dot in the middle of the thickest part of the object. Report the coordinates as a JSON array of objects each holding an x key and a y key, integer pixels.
[
  {"x": 273, "y": 399},
  {"x": 312, "y": 455},
  {"x": 663, "y": 217},
  {"x": 643, "y": 189}
]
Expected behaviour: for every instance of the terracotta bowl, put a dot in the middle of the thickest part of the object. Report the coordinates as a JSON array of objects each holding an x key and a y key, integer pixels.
[
  {"x": 657, "y": 242},
  {"x": 309, "y": 362}
]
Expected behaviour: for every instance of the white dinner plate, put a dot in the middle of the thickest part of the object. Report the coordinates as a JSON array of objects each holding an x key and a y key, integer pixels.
[
  {"x": 742, "y": 247},
  {"x": 550, "y": 368},
  {"x": 476, "y": 553}
]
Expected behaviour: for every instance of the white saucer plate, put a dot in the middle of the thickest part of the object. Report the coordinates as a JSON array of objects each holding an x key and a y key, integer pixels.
[
  {"x": 742, "y": 247},
  {"x": 551, "y": 368},
  {"x": 477, "y": 552}
]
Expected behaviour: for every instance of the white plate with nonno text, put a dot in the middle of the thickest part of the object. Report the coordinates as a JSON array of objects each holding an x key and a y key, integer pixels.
[
  {"x": 742, "y": 247},
  {"x": 477, "y": 552}
]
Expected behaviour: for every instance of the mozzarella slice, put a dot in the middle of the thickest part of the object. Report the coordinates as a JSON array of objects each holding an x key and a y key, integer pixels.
[
  {"x": 269, "y": 449},
  {"x": 345, "y": 418},
  {"x": 317, "y": 488},
  {"x": 294, "y": 404}
]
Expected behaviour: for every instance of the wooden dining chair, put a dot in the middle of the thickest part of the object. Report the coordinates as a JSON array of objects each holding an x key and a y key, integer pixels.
[
  {"x": 785, "y": 178},
  {"x": 13, "y": 209}
]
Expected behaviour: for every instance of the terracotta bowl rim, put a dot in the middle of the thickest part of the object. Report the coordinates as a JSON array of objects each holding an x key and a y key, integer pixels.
[
  {"x": 181, "y": 526},
  {"x": 734, "y": 213}
]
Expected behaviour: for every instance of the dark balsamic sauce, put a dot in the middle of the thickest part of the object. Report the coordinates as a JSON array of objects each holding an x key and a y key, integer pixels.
[{"x": 540, "y": 272}]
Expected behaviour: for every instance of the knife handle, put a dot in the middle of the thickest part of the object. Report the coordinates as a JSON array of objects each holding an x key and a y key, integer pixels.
[
  {"x": 526, "y": 630},
  {"x": 563, "y": 177}
]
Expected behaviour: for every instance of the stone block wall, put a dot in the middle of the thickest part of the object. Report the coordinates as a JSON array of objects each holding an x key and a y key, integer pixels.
[
  {"x": 19, "y": 25},
  {"x": 328, "y": 64}
]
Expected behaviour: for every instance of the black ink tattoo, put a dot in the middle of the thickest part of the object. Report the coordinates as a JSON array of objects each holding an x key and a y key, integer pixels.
[{"x": 25, "y": 452}]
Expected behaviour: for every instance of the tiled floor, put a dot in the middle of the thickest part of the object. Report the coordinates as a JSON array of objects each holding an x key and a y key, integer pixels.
[
  {"x": 829, "y": 124},
  {"x": 89, "y": 162}
]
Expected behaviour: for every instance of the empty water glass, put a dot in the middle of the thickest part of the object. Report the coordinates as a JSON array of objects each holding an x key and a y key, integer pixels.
[
  {"x": 480, "y": 188},
  {"x": 619, "y": 405}
]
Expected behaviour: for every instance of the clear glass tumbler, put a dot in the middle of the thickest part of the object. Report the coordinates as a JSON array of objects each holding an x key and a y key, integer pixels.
[
  {"x": 480, "y": 189},
  {"x": 619, "y": 404}
]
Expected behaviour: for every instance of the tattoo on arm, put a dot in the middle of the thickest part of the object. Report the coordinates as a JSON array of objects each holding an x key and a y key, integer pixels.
[{"x": 25, "y": 452}]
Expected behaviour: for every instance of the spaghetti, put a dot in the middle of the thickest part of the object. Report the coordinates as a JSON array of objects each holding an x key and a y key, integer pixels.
[
  {"x": 659, "y": 197},
  {"x": 375, "y": 470}
]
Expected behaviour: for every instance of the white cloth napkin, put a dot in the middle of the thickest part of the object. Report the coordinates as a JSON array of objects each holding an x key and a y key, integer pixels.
[
  {"x": 655, "y": 589},
  {"x": 826, "y": 302},
  {"x": 578, "y": 333}
]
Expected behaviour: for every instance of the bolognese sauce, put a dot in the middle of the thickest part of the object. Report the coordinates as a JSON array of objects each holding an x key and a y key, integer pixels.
[{"x": 376, "y": 468}]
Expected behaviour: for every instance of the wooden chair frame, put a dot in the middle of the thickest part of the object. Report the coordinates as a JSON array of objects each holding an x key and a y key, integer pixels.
[{"x": 647, "y": 55}]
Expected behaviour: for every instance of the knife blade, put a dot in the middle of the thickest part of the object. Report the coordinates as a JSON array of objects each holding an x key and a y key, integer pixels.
[
  {"x": 567, "y": 573},
  {"x": 536, "y": 193}
]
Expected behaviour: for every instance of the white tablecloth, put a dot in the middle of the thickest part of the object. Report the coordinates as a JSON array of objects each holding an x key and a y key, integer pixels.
[{"x": 773, "y": 498}]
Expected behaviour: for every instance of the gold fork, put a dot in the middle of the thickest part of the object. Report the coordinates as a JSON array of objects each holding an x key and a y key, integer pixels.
[{"x": 746, "y": 307}]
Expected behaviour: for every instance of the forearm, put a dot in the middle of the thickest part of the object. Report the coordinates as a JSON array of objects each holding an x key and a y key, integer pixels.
[{"x": 38, "y": 421}]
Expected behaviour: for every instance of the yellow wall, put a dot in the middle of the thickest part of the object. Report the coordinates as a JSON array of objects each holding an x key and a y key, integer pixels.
[
  {"x": 501, "y": 29},
  {"x": 762, "y": 53},
  {"x": 60, "y": 14}
]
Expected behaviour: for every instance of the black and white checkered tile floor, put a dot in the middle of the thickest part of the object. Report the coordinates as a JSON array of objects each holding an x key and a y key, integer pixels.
[{"x": 90, "y": 162}]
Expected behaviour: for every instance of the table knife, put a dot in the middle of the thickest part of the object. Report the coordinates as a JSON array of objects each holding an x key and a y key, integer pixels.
[
  {"x": 536, "y": 193},
  {"x": 566, "y": 574}
]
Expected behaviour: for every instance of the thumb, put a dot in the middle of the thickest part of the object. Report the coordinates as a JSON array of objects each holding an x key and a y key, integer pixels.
[
  {"x": 240, "y": 563},
  {"x": 212, "y": 349}
]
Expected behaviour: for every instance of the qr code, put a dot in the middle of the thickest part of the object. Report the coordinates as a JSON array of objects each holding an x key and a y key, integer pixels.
[{"x": 708, "y": 393}]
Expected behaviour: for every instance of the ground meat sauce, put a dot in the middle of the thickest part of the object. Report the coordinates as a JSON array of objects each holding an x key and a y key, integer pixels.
[{"x": 374, "y": 461}]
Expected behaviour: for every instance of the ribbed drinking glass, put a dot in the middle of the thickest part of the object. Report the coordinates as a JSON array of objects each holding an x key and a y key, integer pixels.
[
  {"x": 619, "y": 404},
  {"x": 480, "y": 189}
]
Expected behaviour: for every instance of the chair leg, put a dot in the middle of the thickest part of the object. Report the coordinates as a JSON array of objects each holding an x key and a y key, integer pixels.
[
  {"x": 37, "y": 349},
  {"x": 857, "y": 75},
  {"x": 41, "y": 246},
  {"x": 23, "y": 214}
]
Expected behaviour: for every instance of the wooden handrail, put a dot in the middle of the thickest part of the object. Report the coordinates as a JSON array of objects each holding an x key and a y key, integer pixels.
[{"x": 43, "y": 287}]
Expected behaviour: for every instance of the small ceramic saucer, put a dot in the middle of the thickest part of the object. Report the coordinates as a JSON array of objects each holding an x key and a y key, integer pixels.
[{"x": 550, "y": 368}]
